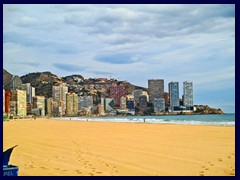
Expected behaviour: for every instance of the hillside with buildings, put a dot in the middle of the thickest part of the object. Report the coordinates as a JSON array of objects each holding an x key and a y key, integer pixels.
[{"x": 44, "y": 93}]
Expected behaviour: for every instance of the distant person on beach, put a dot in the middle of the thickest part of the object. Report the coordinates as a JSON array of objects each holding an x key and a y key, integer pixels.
[{"x": 144, "y": 120}]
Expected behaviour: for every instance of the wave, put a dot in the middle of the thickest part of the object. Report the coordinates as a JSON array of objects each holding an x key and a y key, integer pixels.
[{"x": 152, "y": 120}]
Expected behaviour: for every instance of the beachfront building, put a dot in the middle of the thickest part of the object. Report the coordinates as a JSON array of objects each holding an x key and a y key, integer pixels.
[
  {"x": 29, "y": 90},
  {"x": 13, "y": 108},
  {"x": 72, "y": 104},
  {"x": 188, "y": 95},
  {"x": 19, "y": 103},
  {"x": 59, "y": 94},
  {"x": 39, "y": 105},
  {"x": 7, "y": 102},
  {"x": 108, "y": 104},
  {"x": 15, "y": 83},
  {"x": 167, "y": 100},
  {"x": 116, "y": 92},
  {"x": 173, "y": 88},
  {"x": 101, "y": 109},
  {"x": 159, "y": 105},
  {"x": 137, "y": 93},
  {"x": 143, "y": 104},
  {"x": 123, "y": 102},
  {"x": 49, "y": 106},
  {"x": 85, "y": 102},
  {"x": 155, "y": 89}
]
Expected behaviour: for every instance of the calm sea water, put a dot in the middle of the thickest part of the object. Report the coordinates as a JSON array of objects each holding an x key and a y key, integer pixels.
[{"x": 218, "y": 120}]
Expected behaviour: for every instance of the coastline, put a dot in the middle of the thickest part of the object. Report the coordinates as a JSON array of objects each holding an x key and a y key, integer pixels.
[{"x": 81, "y": 148}]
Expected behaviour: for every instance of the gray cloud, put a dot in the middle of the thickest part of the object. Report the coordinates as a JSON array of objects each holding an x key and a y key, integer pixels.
[{"x": 68, "y": 67}]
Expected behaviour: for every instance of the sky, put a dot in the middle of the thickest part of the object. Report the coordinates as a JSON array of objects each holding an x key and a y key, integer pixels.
[{"x": 127, "y": 42}]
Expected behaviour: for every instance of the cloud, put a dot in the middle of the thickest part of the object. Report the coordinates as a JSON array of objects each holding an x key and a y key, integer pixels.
[
  {"x": 133, "y": 42},
  {"x": 116, "y": 58},
  {"x": 68, "y": 67}
]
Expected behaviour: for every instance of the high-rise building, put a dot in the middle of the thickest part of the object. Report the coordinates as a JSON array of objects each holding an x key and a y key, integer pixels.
[
  {"x": 28, "y": 88},
  {"x": 123, "y": 102},
  {"x": 85, "y": 102},
  {"x": 108, "y": 104},
  {"x": 159, "y": 105},
  {"x": 19, "y": 96},
  {"x": 155, "y": 89},
  {"x": 59, "y": 95},
  {"x": 116, "y": 92},
  {"x": 15, "y": 83},
  {"x": 167, "y": 100},
  {"x": 187, "y": 94},
  {"x": 39, "y": 104},
  {"x": 49, "y": 106},
  {"x": 33, "y": 92},
  {"x": 173, "y": 88},
  {"x": 7, "y": 101},
  {"x": 72, "y": 104},
  {"x": 143, "y": 103}
]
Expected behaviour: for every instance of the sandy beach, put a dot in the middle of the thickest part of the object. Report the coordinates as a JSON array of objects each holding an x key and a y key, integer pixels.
[{"x": 77, "y": 148}]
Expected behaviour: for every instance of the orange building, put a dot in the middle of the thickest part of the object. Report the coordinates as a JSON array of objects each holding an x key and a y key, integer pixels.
[{"x": 7, "y": 101}]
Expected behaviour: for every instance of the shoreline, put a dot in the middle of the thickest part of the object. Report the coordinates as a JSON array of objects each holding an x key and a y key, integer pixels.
[{"x": 93, "y": 148}]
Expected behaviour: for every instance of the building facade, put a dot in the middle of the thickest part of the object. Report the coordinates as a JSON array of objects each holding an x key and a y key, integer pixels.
[
  {"x": 39, "y": 105},
  {"x": 159, "y": 105},
  {"x": 59, "y": 94},
  {"x": 116, "y": 92},
  {"x": 155, "y": 89},
  {"x": 85, "y": 102},
  {"x": 15, "y": 83},
  {"x": 7, "y": 102},
  {"x": 108, "y": 104},
  {"x": 123, "y": 102},
  {"x": 187, "y": 94},
  {"x": 20, "y": 104},
  {"x": 143, "y": 107},
  {"x": 29, "y": 90},
  {"x": 173, "y": 88},
  {"x": 72, "y": 104}
]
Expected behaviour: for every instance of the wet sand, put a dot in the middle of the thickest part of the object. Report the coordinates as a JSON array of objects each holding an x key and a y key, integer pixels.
[{"x": 77, "y": 148}]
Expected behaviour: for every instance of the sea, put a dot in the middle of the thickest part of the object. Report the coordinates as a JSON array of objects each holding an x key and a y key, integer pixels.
[{"x": 227, "y": 119}]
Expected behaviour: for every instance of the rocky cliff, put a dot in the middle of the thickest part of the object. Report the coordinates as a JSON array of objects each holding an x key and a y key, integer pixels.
[{"x": 205, "y": 109}]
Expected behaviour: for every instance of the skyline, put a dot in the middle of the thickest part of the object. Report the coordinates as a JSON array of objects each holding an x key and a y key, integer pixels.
[{"x": 127, "y": 42}]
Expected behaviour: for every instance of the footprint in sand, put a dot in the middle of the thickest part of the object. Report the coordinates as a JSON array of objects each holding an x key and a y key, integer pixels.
[
  {"x": 211, "y": 164},
  {"x": 99, "y": 172},
  {"x": 229, "y": 157},
  {"x": 43, "y": 168},
  {"x": 206, "y": 169},
  {"x": 201, "y": 174},
  {"x": 77, "y": 171},
  {"x": 219, "y": 159}
]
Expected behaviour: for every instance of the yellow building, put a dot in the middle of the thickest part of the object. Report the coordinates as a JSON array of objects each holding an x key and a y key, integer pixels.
[
  {"x": 72, "y": 104},
  {"x": 19, "y": 96}
]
